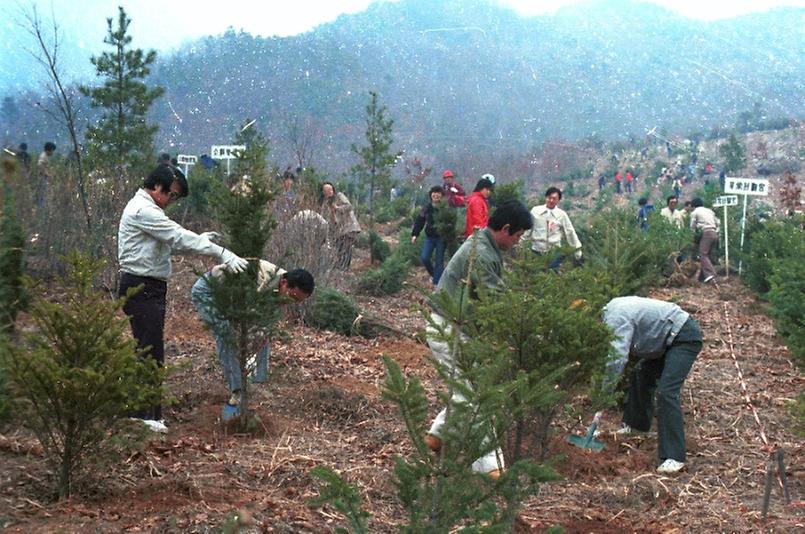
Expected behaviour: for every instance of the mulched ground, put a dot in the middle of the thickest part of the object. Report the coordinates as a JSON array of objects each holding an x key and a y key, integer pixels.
[{"x": 322, "y": 406}]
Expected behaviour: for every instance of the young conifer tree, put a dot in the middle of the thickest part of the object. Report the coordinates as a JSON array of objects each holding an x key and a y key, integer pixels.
[
  {"x": 376, "y": 158},
  {"x": 78, "y": 372},
  {"x": 13, "y": 296},
  {"x": 545, "y": 342},
  {"x": 248, "y": 315},
  {"x": 440, "y": 491},
  {"x": 122, "y": 139}
]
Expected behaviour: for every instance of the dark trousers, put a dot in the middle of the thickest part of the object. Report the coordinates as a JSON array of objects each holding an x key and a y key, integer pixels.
[
  {"x": 146, "y": 312},
  {"x": 664, "y": 377}
]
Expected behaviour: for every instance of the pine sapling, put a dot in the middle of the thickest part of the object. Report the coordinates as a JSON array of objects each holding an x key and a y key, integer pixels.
[{"x": 78, "y": 372}]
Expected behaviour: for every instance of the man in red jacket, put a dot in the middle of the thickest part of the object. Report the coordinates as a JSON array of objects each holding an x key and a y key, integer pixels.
[
  {"x": 452, "y": 190},
  {"x": 478, "y": 205}
]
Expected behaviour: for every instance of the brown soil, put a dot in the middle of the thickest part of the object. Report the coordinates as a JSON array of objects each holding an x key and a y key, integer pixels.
[{"x": 322, "y": 406}]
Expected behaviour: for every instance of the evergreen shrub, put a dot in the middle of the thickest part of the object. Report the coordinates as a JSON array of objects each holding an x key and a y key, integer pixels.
[
  {"x": 385, "y": 280},
  {"x": 13, "y": 297},
  {"x": 787, "y": 298},
  {"x": 631, "y": 260},
  {"x": 510, "y": 191},
  {"x": 332, "y": 310},
  {"x": 768, "y": 242},
  {"x": 78, "y": 372},
  {"x": 379, "y": 250}
]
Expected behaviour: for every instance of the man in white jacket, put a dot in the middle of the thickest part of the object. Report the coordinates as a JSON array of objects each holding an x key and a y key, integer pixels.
[
  {"x": 146, "y": 238},
  {"x": 552, "y": 228}
]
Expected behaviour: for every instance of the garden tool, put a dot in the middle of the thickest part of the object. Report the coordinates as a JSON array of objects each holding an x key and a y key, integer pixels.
[{"x": 588, "y": 441}]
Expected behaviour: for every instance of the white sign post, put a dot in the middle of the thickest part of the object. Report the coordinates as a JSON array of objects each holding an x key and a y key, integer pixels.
[
  {"x": 227, "y": 152},
  {"x": 745, "y": 186},
  {"x": 726, "y": 200},
  {"x": 186, "y": 161}
]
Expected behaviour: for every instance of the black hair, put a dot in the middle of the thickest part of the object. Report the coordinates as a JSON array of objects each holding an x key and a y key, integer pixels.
[
  {"x": 288, "y": 175},
  {"x": 164, "y": 176},
  {"x": 483, "y": 183},
  {"x": 300, "y": 279},
  {"x": 49, "y": 146},
  {"x": 552, "y": 190},
  {"x": 697, "y": 202},
  {"x": 435, "y": 189},
  {"x": 687, "y": 203},
  {"x": 514, "y": 213},
  {"x": 669, "y": 199},
  {"x": 642, "y": 202},
  {"x": 164, "y": 158},
  {"x": 23, "y": 146}
]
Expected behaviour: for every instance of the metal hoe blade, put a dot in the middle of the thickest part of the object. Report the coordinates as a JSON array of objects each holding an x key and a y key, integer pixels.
[{"x": 588, "y": 441}]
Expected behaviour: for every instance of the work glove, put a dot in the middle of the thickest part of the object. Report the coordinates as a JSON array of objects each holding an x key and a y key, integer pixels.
[
  {"x": 232, "y": 262},
  {"x": 212, "y": 236}
]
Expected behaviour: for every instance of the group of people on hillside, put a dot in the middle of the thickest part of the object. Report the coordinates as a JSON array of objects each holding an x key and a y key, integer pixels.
[
  {"x": 44, "y": 170},
  {"x": 663, "y": 338}
]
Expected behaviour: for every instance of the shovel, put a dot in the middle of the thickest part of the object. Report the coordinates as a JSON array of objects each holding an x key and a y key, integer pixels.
[{"x": 588, "y": 441}]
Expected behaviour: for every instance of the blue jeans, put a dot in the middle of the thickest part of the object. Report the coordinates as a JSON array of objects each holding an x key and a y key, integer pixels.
[
  {"x": 436, "y": 268},
  {"x": 202, "y": 298}
]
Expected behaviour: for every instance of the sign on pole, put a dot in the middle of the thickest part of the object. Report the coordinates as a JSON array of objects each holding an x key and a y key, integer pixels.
[
  {"x": 726, "y": 200},
  {"x": 186, "y": 161},
  {"x": 227, "y": 152},
  {"x": 746, "y": 187}
]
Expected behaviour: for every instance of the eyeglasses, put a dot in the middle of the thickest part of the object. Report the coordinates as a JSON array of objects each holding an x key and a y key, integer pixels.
[{"x": 173, "y": 195}]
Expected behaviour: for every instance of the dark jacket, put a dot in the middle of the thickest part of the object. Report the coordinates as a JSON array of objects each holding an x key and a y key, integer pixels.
[{"x": 425, "y": 219}]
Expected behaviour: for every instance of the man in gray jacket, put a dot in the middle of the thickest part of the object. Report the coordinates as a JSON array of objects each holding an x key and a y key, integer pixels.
[
  {"x": 482, "y": 251},
  {"x": 146, "y": 238},
  {"x": 665, "y": 340}
]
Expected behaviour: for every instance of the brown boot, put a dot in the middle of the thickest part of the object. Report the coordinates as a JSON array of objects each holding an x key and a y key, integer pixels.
[
  {"x": 494, "y": 475},
  {"x": 433, "y": 443}
]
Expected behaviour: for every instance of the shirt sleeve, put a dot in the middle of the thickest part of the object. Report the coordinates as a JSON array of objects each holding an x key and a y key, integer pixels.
[
  {"x": 156, "y": 224},
  {"x": 570, "y": 235},
  {"x": 623, "y": 329}
]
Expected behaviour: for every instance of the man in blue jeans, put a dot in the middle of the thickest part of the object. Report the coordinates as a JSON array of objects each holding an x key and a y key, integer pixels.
[
  {"x": 433, "y": 241},
  {"x": 296, "y": 285},
  {"x": 665, "y": 341}
]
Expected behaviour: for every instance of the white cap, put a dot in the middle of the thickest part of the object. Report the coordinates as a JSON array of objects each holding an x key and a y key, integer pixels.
[{"x": 489, "y": 177}]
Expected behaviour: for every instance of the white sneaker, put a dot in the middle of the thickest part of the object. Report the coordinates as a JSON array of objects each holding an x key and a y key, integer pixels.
[
  {"x": 670, "y": 466},
  {"x": 708, "y": 278},
  {"x": 625, "y": 430},
  {"x": 156, "y": 426}
]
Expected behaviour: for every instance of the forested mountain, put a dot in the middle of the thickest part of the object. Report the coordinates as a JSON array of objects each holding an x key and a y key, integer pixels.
[{"x": 463, "y": 77}]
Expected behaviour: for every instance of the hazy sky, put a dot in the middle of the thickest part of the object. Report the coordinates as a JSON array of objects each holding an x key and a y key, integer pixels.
[{"x": 165, "y": 24}]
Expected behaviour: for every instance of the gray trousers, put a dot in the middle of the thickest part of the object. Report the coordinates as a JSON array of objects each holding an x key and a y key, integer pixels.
[
  {"x": 664, "y": 377},
  {"x": 707, "y": 245}
]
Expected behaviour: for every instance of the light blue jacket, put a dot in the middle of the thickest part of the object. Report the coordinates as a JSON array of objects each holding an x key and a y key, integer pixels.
[{"x": 643, "y": 328}]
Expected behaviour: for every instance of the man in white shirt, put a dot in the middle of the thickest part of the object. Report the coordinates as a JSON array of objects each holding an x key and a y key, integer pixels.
[
  {"x": 551, "y": 228},
  {"x": 705, "y": 220},
  {"x": 146, "y": 238},
  {"x": 671, "y": 214}
]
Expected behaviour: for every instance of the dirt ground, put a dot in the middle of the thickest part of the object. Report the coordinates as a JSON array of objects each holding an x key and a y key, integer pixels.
[{"x": 322, "y": 406}]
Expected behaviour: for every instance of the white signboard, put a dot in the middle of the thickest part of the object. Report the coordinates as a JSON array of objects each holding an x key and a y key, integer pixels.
[
  {"x": 183, "y": 159},
  {"x": 746, "y": 186},
  {"x": 226, "y": 151},
  {"x": 725, "y": 200}
]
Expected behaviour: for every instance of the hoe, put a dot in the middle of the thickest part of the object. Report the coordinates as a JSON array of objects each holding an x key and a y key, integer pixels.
[{"x": 588, "y": 441}]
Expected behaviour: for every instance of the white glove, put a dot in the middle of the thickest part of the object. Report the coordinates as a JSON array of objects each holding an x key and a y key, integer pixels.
[
  {"x": 212, "y": 236},
  {"x": 233, "y": 262}
]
